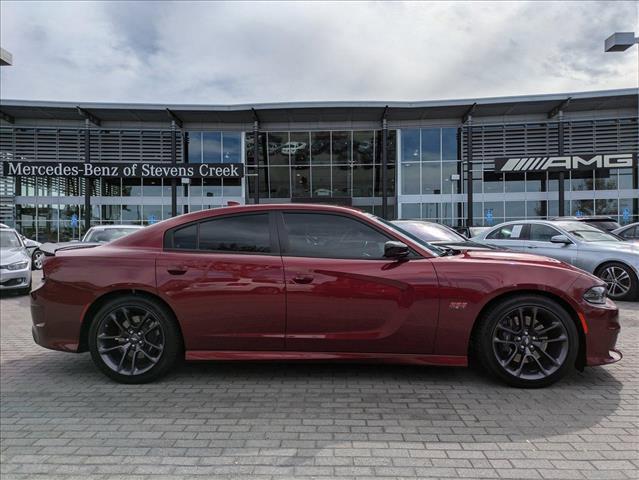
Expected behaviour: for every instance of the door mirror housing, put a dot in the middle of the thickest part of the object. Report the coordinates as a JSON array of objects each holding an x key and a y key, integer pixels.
[
  {"x": 560, "y": 239},
  {"x": 396, "y": 250}
]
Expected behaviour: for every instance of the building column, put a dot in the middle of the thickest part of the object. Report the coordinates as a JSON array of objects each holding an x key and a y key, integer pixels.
[
  {"x": 385, "y": 168},
  {"x": 87, "y": 181},
  {"x": 256, "y": 156},
  {"x": 173, "y": 161},
  {"x": 560, "y": 143},
  {"x": 469, "y": 171}
]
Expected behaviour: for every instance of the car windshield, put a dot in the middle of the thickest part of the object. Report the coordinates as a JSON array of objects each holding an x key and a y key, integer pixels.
[
  {"x": 104, "y": 235},
  {"x": 9, "y": 239},
  {"x": 587, "y": 233},
  {"x": 435, "y": 250},
  {"x": 606, "y": 225},
  {"x": 430, "y": 232}
]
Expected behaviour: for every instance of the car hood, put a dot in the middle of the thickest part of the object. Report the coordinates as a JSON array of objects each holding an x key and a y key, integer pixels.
[
  {"x": 12, "y": 255},
  {"x": 513, "y": 257}
]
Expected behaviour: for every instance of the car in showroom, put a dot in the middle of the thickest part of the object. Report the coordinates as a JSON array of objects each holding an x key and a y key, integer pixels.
[
  {"x": 603, "y": 254},
  {"x": 628, "y": 232},
  {"x": 439, "y": 235},
  {"x": 317, "y": 282},
  {"x": 15, "y": 262}
]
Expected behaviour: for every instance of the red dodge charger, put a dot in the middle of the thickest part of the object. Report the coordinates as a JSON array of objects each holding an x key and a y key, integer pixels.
[{"x": 311, "y": 282}]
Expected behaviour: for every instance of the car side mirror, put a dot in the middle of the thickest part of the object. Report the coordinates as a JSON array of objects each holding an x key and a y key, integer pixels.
[
  {"x": 560, "y": 239},
  {"x": 396, "y": 250}
]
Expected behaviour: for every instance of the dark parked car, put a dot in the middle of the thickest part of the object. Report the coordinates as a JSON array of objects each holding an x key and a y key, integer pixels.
[
  {"x": 315, "y": 282},
  {"x": 607, "y": 224}
]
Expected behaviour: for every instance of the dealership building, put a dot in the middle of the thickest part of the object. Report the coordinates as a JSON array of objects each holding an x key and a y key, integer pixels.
[{"x": 461, "y": 162}]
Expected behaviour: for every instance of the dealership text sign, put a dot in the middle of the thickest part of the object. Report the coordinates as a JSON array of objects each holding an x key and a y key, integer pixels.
[
  {"x": 565, "y": 162},
  {"x": 139, "y": 170}
]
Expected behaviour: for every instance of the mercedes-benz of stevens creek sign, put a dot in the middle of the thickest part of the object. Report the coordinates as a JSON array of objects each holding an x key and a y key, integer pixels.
[
  {"x": 459, "y": 162},
  {"x": 141, "y": 170}
]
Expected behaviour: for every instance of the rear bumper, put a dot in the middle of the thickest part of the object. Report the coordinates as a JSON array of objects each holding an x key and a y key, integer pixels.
[
  {"x": 603, "y": 330},
  {"x": 56, "y": 325}
]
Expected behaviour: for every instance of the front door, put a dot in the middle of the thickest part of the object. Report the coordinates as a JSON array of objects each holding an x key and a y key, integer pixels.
[
  {"x": 539, "y": 243},
  {"x": 344, "y": 296},
  {"x": 225, "y": 280}
]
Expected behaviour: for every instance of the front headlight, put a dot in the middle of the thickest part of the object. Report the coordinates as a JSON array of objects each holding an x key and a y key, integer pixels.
[
  {"x": 596, "y": 295},
  {"x": 17, "y": 266}
]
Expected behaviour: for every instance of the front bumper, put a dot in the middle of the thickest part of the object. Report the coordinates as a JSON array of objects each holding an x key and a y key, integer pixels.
[
  {"x": 15, "y": 279},
  {"x": 602, "y": 323}
]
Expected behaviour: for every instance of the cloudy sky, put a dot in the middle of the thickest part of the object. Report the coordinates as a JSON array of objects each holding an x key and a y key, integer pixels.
[{"x": 284, "y": 51}]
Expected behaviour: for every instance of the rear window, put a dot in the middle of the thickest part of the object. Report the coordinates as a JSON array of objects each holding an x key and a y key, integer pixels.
[{"x": 237, "y": 233}]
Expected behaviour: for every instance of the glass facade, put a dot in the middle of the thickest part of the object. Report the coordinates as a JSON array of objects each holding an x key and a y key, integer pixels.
[
  {"x": 426, "y": 173},
  {"x": 339, "y": 166}
]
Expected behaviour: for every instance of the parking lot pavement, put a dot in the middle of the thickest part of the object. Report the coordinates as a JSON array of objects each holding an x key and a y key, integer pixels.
[{"x": 60, "y": 418}]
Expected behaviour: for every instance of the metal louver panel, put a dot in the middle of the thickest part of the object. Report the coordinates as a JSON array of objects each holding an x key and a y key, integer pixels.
[
  {"x": 541, "y": 139},
  {"x": 66, "y": 144}
]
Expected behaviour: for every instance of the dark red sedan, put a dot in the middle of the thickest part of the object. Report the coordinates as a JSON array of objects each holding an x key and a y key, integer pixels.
[{"x": 310, "y": 282}]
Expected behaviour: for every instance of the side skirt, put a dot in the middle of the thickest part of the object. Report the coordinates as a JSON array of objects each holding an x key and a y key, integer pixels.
[{"x": 411, "y": 359}]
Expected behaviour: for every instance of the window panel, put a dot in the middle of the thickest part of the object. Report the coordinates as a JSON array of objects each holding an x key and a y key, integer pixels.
[
  {"x": 300, "y": 150},
  {"x": 280, "y": 182},
  {"x": 212, "y": 147},
  {"x": 410, "y": 179},
  {"x": 363, "y": 147},
  {"x": 363, "y": 181},
  {"x": 301, "y": 182},
  {"x": 194, "y": 147},
  {"x": 449, "y": 144},
  {"x": 321, "y": 181},
  {"x": 238, "y": 233},
  {"x": 341, "y": 147},
  {"x": 410, "y": 145},
  {"x": 341, "y": 180},
  {"x": 411, "y": 210},
  {"x": 431, "y": 177},
  {"x": 431, "y": 144},
  {"x": 606, "y": 179},
  {"x": 320, "y": 148},
  {"x": 231, "y": 147},
  {"x": 278, "y": 148}
]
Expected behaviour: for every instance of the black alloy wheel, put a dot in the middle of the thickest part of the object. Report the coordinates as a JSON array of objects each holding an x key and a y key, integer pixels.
[
  {"x": 133, "y": 340},
  {"x": 527, "y": 341}
]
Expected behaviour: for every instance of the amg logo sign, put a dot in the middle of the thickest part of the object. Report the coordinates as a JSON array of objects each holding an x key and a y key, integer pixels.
[{"x": 566, "y": 162}]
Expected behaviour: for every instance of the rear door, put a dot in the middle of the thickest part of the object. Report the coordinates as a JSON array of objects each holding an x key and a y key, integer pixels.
[
  {"x": 225, "y": 281},
  {"x": 344, "y": 296},
  {"x": 511, "y": 236}
]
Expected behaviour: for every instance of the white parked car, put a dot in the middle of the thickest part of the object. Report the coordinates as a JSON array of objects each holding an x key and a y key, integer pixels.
[
  {"x": 291, "y": 148},
  {"x": 108, "y": 233},
  {"x": 15, "y": 262}
]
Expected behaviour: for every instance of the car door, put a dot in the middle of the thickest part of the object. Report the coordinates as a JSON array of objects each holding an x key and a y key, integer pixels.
[
  {"x": 511, "y": 236},
  {"x": 224, "y": 279},
  {"x": 344, "y": 296},
  {"x": 539, "y": 235}
]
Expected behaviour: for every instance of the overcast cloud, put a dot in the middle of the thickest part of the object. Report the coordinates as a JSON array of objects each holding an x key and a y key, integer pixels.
[{"x": 271, "y": 52}]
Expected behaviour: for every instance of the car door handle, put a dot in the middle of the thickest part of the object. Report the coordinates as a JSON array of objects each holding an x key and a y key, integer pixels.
[
  {"x": 177, "y": 270},
  {"x": 303, "y": 279}
]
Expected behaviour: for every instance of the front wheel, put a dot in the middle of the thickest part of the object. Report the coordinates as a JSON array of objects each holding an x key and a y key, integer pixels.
[
  {"x": 620, "y": 280},
  {"x": 527, "y": 341},
  {"x": 133, "y": 340},
  {"x": 36, "y": 259}
]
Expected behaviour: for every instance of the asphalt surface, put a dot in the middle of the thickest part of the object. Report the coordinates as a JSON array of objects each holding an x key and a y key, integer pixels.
[{"x": 61, "y": 419}]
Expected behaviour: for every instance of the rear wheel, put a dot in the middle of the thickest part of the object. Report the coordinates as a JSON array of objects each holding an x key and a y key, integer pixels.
[
  {"x": 133, "y": 340},
  {"x": 620, "y": 279},
  {"x": 527, "y": 341}
]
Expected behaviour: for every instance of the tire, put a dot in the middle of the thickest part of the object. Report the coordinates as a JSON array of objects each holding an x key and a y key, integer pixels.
[
  {"x": 134, "y": 340},
  {"x": 36, "y": 259},
  {"x": 533, "y": 355},
  {"x": 621, "y": 280}
]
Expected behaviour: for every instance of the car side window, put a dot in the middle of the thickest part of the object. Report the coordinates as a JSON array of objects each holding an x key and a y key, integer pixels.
[
  {"x": 507, "y": 232},
  {"x": 630, "y": 232},
  {"x": 320, "y": 235},
  {"x": 542, "y": 233},
  {"x": 234, "y": 233},
  {"x": 237, "y": 233}
]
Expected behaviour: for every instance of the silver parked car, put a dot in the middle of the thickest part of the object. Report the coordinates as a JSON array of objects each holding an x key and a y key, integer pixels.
[
  {"x": 108, "y": 233},
  {"x": 15, "y": 262},
  {"x": 607, "y": 256}
]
